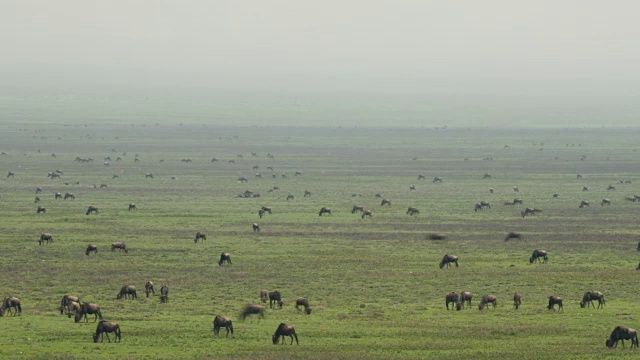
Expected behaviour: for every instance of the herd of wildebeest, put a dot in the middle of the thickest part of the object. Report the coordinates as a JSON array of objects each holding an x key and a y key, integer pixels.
[{"x": 73, "y": 307}]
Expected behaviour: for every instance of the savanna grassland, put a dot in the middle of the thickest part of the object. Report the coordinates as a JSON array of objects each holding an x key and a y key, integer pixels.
[{"x": 374, "y": 284}]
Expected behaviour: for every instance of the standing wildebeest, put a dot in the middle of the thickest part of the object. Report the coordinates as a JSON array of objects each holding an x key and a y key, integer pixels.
[
  {"x": 256, "y": 227},
  {"x": 412, "y": 211},
  {"x": 452, "y": 298},
  {"x": 366, "y": 213},
  {"x": 200, "y": 236},
  {"x": 133, "y": 206},
  {"x": 87, "y": 308},
  {"x": 10, "y": 174},
  {"x": 285, "y": 330},
  {"x": 64, "y": 303},
  {"x": 466, "y": 297},
  {"x": 252, "y": 309},
  {"x": 11, "y": 302},
  {"x": 69, "y": 196},
  {"x": 41, "y": 210},
  {"x": 91, "y": 249},
  {"x": 105, "y": 327},
  {"x": 148, "y": 175},
  {"x": 477, "y": 207},
  {"x": 412, "y": 187},
  {"x": 621, "y": 333},
  {"x": 516, "y": 189},
  {"x": 421, "y": 177},
  {"x": 588, "y": 298},
  {"x": 357, "y": 208},
  {"x": 585, "y": 188},
  {"x": 605, "y": 202},
  {"x": 164, "y": 294},
  {"x": 537, "y": 254},
  {"x": 307, "y": 193},
  {"x": 301, "y": 301},
  {"x": 486, "y": 176},
  {"x": 45, "y": 237},
  {"x": 584, "y": 203},
  {"x": 92, "y": 209},
  {"x": 437, "y": 236},
  {"x": 37, "y": 200},
  {"x": 517, "y": 300},
  {"x": 58, "y": 196},
  {"x": 324, "y": 210},
  {"x": 447, "y": 260},
  {"x": 529, "y": 211},
  {"x": 120, "y": 246},
  {"x": 437, "y": 180},
  {"x": 275, "y": 298},
  {"x": 553, "y": 300},
  {"x": 486, "y": 300},
  {"x": 222, "y": 321},
  {"x": 148, "y": 288},
  {"x": 385, "y": 202},
  {"x": 290, "y": 197},
  {"x": 38, "y": 190},
  {"x": 127, "y": 292},
  {"x": 513, "y": 235},
  {"x": 263, "y": 210},
  {"x": 264, "y": 295},
  {"x": 225, "y": 256}
]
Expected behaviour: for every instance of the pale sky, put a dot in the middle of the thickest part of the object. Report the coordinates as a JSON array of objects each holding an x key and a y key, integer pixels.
[{"x": 540, "y": 54}]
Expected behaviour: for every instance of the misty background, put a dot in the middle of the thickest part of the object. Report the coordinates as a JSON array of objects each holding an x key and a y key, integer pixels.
[{"x": 334, "y": 63}]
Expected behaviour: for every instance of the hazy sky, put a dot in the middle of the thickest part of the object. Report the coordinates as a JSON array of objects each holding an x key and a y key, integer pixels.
[{"x": 511, "y": 56}]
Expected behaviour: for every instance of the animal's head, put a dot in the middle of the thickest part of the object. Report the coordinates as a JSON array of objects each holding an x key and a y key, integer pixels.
[
  {"x": 1, "y": 312},
  {"x": 274, "y": 338},
  {"x": 609, "y": 343},
  {"x": 78, "y": 316},
  {"x": 531, "y": 260},
  {"x": 95, "y": 338},
  {"x": 582, "y": 304},
  {"x": 307, "y": 311}
]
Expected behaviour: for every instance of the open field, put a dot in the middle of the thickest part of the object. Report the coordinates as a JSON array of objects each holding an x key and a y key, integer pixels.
[{"x": 374, "y": 283}]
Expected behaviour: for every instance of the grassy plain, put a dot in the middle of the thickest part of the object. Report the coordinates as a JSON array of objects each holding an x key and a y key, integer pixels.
[{"x": 374, "y": 284}]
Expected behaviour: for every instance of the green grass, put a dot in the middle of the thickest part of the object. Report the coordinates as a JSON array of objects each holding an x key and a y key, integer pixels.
[{"x": 374, "y": 284}]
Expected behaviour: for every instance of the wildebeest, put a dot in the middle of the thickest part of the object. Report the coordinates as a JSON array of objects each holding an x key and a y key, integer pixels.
[
  {"x": 437, "y": 236},
  {"x": 555, "y": 300},
  {"x": 8, "y": 303},
  {"x": 516, "y": 189},
  {"x": 132, "y": 206},
  {"x": 148, "y": 175},
  {"x": 437, "y": 180},
  {"x": 264, "y": 295},
  {"x": 275, "y": 298},
  {"x": 263, "y": 210},
  {"x": 120, "y": 246},
  {"x": 486, "y": 176},
  {"x": 488, "y": 299},
  {"x": 127, "y": 292},
  {"x": 385, "y": 202},
  {"x": 290, "y": 197},
  {"x": 530, "y": 211},
  {"x": 517, "y": 300},
  {"x": 513, "y": 235},
  {"x": 307, "y": 193},
  {"x": 38, "y": 190},
  {"x": 421, "y": 177},
  {"x": 92, "y": 209},
  {"x": 87, "y": 308},
  {"x": 366, "y": 213},
  {"x": 252, "y": 309},
  {"x": 45, "y": 237},
  {"x": 164, "y": 294},
  {"x": 69, "y": 196},
  {"x": 611, "y": 187},
  {"x": 357, "y": 208},
  {"x": 91, "y": 249},
  {"x": 285, "y": 330},
  {"x": 200, "y": 236},
  {"x": 222, "y": 322},
  {"x": 412, "y": 187},
  {"x": 452, "y": 298},
  {"x": 584, "y": 203},
  {"x": 537, "y": 254},
  {"x": 256, "y": 227},
  {"x": 72, "y": 308},
  {"x": 447, "y": 260},
  {"x": 224, "y": 257},
  {"x": 106, "y": 327},
  {"x": 589, "y": 296},
  {"x": 301, "y": 301},
  {"x": 477, "y": 207},
  {"x": 412, "y": 211},
  {"x": 621, "y": 333},
  {"x": 585, "y": 188},
  {"x": 148, "y": 288},
  {"x": 578, "y": 176},
  {"x": 465, "y": 298},
  {"x": 64, "y": 303},
  {"x": 10, "y": 174},
  {"x": 605, "y": 202},
  {"x": 41, "y": 210},
  {"x": 37, "y": 200},
  {"x": 324, "y": 210}
]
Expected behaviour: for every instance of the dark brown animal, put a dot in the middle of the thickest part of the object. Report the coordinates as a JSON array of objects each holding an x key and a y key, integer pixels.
[
  {"x": 164, "y": 294},
  {"x": 412, "y": 211},
  {"x": 11, "y": 302},
  {"x": 357, "y": 208},
  {"x": 307, "y": 193},
  {"x": 513, "y": 235},
  {"x": 41, "y": 210},
  {"x": 92, "y": 209},
  {"x": 589, "y": 296},
  {"x": 10, "y": 174},
  {"x": 264, "y": 295},
  {"x": 537, "y": 254},
  {"x": 488, "y": 299},
  {"x": 583, "y": 203},
  {"x": 148, "y": 175},
  {"x": 200, "y": 236},
  {"x": 605, "y": 202},
  {"x": 621, "y": 333},
  {"x": 37, "y": 200},
  {"x": 87, "y": 308},
  {"x": 148, "y": 288},
  {"x": 452, "y": 298},
  {"x": 385, "y": 202},
  {"x": 72, "y": 308},
  {"x": 285, "y": 330},
  {"x": 106, "y": 327},
  {"x": 252, "y": 309},
  {"x": 256, "y": 227},
  {"x": 91, "y": 249},
  {"x": 465, "y": 298},
  {"x": 437, "y": 236},
  {"x": 301, "y": 301},
  {"x": 555, "y": 300},
  {"x": 222, "y": 322},
  {"x": 290, "y": 197},
  {"x": 324, "y": 210},
  {"x": 127, "y": 292},
  {"x": 45, "y": 237},
  {"x": 133, "y": 206},
  {"x": 517, "y": 300},
  {"x": 120, "y": 246},
  {"x": 447, "y": 260},
  {"x": 224, "y": 257},
  {"x": 58, "y": 196},
  {"x": 530, "y": 211},
  {"x": 437, "y": 180},
  {"x": 275, "y": 298},
  {"x": 69, "y": 196},
  {"x": 65, "y": 302},
  {"x": 366, "y": 213}
]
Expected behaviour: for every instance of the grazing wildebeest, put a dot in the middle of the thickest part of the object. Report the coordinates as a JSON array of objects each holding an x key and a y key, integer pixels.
[
  {"x": 465, "y": 298},
  {"x": 517, "y": 300},
  {"x": 589, "y": 296},
  {"x": 412, "y": 211},
  {"x": 87, "y": 308},
  {"x": 584, "y": 203},
  {"x": 264, "y": 295},
  {"x": 263, "y": 210},
  {"x": 164, "y": 294},
  {"x": 10, "y": 174},
  {"x": 148, "y": 288},
  {"x": 41, "y": 210},
  {"x": 556, "y": 195},
  {"x": 357, "y": 208},
  {"x": 258, "y": 175},
  {"x": 516, "y": 201},
  {"x": 11, "y": 302},
  {"x": 447, "y": 260},
  {"x": 578, "y": 176},
  {"x": 91, "y": 249},
  {"x": 486, "y": 300},
  {"x": 37, "y": 200},
  {"x": 120, "y": 246},
  {"x": 307, "y": 193},
  {"x": 452, "y": 298},
  {"x": 301, "y": 301},
  {"x": 58, "y": 196},
  {"x": 437, "y": 236},
  {"x": 437, "y": 180},
  {"x": 72, "y": 308},
  {"x": 290, "y": 197},
  {"x": 611, "y": 187},
  {"x": 491, "y": 190},
  {"x": 516, "y": 189},
  {"x": 412, "y": 187},
  {"x": 477, "y": 207},
  {"x": 256, "y": 227},
  {"x": 92, "y": 209},
  {"x": 127, "y": 292},
  {"x": 605, "y": 202},
  {"x": 200, "y": 236},
  {"x": 486, "y": 176},
  {"x": 45, "y": 237},
  {"x": 285, "y": 330},
  {"x": 621, "y": 333},
  {"x": 324, "y": 210},
  {"x": 148, "y": 175},
  {"x": 529, "y": 211},
  {"x": 297, "y": 173},
  {"x": 421, "y": 177},
  {"x": 64, "y": 303},
  {"x": 513, "y": 235},
  {"x": 537, "y": 254},
  {"x": 69, "y": 196},
  {"x": 385, "y": 202},
  {"x": 366, "y": 213},
  {"x": 585, "y": 188},
  {"x": 225, "y": 256},
  {"x": 103, "y": 186},
  {"x": 252, "y": 309},
  {"x": 555, "y": 300},
  {"x": 275, "y": 298},
  {"x": 222, "y": 322},
  {"x": 106, "y": 327},
  {"x": 132, "y": 206},
  {"x": 38, "y": 190}
]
